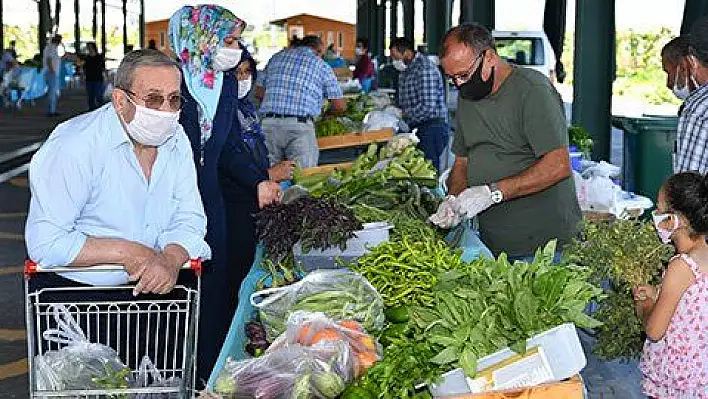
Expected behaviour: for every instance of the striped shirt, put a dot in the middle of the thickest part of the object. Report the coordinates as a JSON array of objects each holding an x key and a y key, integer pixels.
[{"x": 692, "y": 134}]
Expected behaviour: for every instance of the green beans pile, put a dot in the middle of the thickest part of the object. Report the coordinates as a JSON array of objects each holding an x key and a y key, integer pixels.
[{"x": 404, "y": 272}]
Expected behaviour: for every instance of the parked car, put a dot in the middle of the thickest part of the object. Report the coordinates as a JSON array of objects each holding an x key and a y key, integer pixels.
[{"x": 527, "y": 49}]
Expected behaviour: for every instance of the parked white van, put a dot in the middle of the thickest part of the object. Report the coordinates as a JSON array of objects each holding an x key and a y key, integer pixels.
[{"x": 527, "y": 49}]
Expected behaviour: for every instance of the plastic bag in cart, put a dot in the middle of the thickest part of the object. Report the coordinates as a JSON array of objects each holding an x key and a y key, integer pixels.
[
  {"x": 80, "y": 364},
  {"x": 316, "y": 329},
  {"x": 293, "y": 371},
  {"x": 150, "y": 377},
  {"x": 340, "y": 294}
]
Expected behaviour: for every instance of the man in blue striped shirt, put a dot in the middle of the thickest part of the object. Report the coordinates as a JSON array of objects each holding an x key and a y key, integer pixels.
[
  {"x": 421, "y": 97},
  {"x": 292, "y": 89}
]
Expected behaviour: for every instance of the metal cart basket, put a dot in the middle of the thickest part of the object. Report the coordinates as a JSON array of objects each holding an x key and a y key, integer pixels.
[{"x": 163, "y": 328}]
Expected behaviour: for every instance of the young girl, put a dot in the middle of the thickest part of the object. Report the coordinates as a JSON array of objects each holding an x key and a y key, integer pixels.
[{"x": 675, "y": 314}]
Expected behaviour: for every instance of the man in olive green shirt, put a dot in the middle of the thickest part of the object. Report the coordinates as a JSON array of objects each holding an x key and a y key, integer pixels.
[{"x": 512, "y": 167}]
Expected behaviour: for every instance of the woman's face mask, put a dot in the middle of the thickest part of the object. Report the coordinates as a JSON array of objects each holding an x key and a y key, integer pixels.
[
  {"x": 399, "y": 65},
  {"x": 226, "y": 58},
  {"x": 244, "y": 87}
]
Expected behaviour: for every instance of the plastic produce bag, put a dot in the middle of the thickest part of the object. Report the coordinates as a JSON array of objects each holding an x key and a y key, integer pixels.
[
  {"x": 79, "y": 365},
  {"x": 380, "y": 100},
  {"x": 340, "y": 294},
  {"x": 316, "y": 329},
  {"x": 149, "y": 377},
  {"x": 293, "y": 371},
  {"x": 377, "y": 120}
]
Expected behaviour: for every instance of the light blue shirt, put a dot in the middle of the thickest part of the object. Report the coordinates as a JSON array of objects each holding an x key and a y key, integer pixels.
[{"x": 86, "y": 182}]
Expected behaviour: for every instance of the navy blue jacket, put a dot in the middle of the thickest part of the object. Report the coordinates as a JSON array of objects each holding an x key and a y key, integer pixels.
[{"x": 228, "y": 182}]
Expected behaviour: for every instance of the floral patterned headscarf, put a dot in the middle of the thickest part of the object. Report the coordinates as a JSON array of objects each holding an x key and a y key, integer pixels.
[{"x": 195, "y": 34}]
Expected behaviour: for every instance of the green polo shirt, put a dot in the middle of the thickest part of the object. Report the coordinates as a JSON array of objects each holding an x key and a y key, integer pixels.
[{"x": 502, "y": 136}]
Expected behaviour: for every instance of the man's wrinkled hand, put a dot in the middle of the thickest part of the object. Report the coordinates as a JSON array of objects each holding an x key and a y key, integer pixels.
[
  {"x": 269, "y": 192},
  {"x": 474, "y": 201},
  {"x": 282, "y": 171},
  {"x": 136, "y": 259},
  {"x": 158, "y": 276}
]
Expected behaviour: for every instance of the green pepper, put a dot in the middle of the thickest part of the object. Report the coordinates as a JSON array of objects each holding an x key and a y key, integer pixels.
[{"x": 397, "y": 315}]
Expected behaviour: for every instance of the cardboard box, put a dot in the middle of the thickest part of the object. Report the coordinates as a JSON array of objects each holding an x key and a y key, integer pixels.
[{"x": 571, "y": 388}]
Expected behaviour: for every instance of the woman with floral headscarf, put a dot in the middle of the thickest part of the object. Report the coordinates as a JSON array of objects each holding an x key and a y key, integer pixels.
[{"x": 233, "y": 179}]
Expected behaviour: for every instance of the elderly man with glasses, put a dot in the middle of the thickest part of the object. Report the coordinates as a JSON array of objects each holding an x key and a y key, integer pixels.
[
  {"x": 511, "y": 168},
  {"x": 118, "y": 186}
]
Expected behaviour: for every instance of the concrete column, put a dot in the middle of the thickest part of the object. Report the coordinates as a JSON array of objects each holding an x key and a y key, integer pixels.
[
  {"x": 362, "y": 19},
  {"x": 103, "y": 27},
  {"x": 141, "y": 22},
  {"x": 408, "y": 19},
  {"x": 479, "y": 11},
  {"x": 125, "y": 25},
  {"x": 381, "y": 27},
  {"x": 394, "y": 19},
  {"x": 437, "y": 22},
  {"x": 593, "y": 73},
  {"x": 2, "y": 31},
  {"x": 77, "y": 27}
]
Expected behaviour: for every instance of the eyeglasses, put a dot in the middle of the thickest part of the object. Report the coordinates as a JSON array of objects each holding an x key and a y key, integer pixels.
[
  {"x": 155, "y": 101},
  {"x": 464, "y": 77}
]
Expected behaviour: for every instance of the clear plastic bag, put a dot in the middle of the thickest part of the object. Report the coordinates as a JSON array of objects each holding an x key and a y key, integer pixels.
[
  {"x": 292, "y": 371},
  {"x": 317, "y": 330},
  {"x": 340, "y": 294},
  {"x": 377, "y": 120},
  {"x": 80, "y": 364},
  {"x": 150, "y": 377}
]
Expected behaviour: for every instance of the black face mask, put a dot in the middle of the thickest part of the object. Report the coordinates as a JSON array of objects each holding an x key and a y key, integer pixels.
[{"x": 477, "y": 89}]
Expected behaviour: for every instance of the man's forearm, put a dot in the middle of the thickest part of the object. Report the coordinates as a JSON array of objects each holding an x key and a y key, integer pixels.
[
  {"x": 109, "y": 251},
  {"x": 457, "y": 181},
  {"x": 549, "y": 170}
]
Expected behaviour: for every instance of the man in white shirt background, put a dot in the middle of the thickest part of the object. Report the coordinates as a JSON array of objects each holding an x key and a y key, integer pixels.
[{"x": 51, "y": 63}]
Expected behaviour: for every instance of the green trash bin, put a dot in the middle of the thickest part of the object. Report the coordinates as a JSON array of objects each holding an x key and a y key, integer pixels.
[{"x": 648, "y": 152}]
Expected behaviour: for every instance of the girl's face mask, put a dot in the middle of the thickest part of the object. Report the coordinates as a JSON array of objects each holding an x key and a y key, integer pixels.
[{"x": 665, "y": 234}]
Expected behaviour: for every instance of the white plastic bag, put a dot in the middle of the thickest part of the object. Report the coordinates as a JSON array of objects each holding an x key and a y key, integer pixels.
[
  {"x": 377, "y": 120},
  {"x": 150, "y": 377},
  {"x": 80, "y": 364}
]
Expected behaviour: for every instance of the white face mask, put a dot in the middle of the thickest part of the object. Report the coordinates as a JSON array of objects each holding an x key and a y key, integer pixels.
[
  {"x": 681, "y": 93},
  {"x": 359, "y": 51},
  {"x": 244, "y": 86},
  {"x": 399, "y": 65},
  {"x": 664, "y": 234},
  {"x": 226, "y": 58},
  {"x": 151, "y": 127}
]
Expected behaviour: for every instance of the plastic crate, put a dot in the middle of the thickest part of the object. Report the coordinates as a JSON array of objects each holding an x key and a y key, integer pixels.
[
  {"x": 561, "y": 346},
  {"x": 372, "y": 235}
]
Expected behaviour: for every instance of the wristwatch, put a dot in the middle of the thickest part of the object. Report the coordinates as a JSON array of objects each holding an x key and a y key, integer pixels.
[{"x": 497, "y": 194}]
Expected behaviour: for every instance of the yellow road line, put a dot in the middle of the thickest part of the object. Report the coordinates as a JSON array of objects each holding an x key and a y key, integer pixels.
[
  {"x": 11, "y": 236},
  {"x": 13, "y": 369},
  {"x": 19, "y": 182},
  {"x": 12, "y": 335},
  {"x": 15, "y": 215},
  {"x": 11, "y": 270}
]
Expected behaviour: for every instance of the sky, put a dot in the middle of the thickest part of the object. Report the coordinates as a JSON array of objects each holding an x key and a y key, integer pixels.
[{"x": 527, "y": 14}]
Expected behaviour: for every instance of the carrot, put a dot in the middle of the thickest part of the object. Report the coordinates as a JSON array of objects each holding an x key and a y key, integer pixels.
[
  {"x": 351, "y": 324},
  {"x": 326, "y": 334}
]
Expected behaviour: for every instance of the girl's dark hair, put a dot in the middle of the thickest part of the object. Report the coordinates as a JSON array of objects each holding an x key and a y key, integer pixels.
[{"x": 687, "y": 194}]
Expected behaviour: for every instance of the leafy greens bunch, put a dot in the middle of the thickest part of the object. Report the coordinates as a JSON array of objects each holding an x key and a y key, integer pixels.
[{"x": 624, "y": 253}]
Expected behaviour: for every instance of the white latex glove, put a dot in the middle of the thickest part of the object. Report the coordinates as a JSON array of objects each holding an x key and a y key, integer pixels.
[
  {"x": 474, "y": 201},
  {"x": 448, "y": 214}
]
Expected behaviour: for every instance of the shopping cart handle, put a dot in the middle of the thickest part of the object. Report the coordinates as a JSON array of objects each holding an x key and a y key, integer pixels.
[{"x": 32, "y": 267}]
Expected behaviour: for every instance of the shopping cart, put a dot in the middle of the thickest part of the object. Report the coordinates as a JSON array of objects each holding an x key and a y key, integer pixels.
[{"x": 164, "y": 328}]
